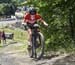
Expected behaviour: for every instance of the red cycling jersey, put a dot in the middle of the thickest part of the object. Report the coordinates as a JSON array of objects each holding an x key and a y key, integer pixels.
[{"x": 32, "y": 18}]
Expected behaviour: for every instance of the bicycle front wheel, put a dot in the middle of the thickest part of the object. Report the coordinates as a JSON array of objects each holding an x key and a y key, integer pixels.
[{"x": 39, "y": 45}]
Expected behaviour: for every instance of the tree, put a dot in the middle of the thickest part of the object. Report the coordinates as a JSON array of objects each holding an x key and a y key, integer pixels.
[
  {"x": 9, "y": 7},
  {"x": 60, "y": 18}
]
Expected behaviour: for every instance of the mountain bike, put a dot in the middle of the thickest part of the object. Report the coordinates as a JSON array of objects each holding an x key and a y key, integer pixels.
[{"x": 37, "y": 41}]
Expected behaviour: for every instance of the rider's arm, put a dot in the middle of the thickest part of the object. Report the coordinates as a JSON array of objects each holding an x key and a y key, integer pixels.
[
  {"x": 26, "y": 18},
  {"x": 43, "y": 22},
  {"x": 39, "y": 18}
]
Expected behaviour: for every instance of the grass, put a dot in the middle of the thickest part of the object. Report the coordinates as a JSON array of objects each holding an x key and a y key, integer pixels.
[{"x": 19, "y": 35}]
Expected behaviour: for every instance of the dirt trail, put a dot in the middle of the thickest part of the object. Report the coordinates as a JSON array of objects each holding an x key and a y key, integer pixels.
[{"x": 10, "y": 55}]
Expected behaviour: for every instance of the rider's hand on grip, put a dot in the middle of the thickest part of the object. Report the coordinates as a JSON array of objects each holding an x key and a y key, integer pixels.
[
  {"x": 45, "y": 24},
  {"x": 24, "y": 23}
]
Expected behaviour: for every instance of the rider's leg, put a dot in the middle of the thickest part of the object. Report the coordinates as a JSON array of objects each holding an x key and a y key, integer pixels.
[
  {"x": 30, "y": 43},
  {"x": 29, "y": 39},
  {"x": 30, "y": 34}
]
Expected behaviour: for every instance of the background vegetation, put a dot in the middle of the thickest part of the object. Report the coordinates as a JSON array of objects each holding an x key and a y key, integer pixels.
[{"x": 59, "y": 14}]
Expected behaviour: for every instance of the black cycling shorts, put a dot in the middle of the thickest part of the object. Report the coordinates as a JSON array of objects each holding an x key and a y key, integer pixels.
[{"x": 30, "y": 26}]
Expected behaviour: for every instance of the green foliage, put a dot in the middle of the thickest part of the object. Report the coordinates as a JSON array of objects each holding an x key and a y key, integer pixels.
[
  {"x": 4, "y": 1},
  {"x": 7, "y": 9},
  {"x": 60, "y": 15},
  {"x": 1, "y": 9},
  {"x": 57, "y": 14}
]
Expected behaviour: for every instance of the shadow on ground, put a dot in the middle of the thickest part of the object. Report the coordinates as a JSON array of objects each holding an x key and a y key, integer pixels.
[
  {"x": 50, "y": 57},
  {"x": 68, "y": 60}
]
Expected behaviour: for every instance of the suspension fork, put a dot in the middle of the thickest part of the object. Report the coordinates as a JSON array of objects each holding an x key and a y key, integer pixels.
[{"x": 34, "y": 45}]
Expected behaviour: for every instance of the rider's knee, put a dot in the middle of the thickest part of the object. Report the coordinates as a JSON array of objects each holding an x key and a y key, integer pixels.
[{"x": 29, "y": 32}]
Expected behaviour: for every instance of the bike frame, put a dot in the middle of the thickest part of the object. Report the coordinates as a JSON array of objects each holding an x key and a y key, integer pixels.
[{"x": 35, "y": 33}]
